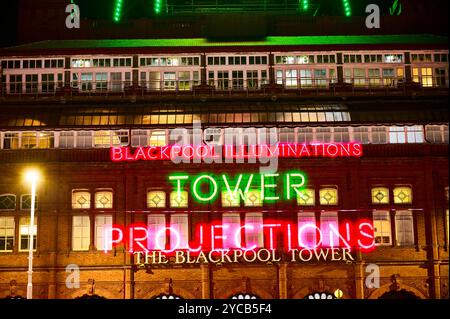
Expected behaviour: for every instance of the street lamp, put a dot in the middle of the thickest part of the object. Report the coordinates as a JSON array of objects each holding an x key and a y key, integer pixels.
[{"x": 32, "y": 177}]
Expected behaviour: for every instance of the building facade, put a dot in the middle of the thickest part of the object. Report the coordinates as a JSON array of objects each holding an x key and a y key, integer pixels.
[{"x": 67, "y": 106}]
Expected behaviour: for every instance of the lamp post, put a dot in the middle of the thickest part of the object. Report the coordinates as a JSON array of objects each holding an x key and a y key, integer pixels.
[{"x": 32, "y": 177}]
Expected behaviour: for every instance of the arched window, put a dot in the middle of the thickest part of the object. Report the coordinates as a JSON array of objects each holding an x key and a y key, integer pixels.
[
  {"x": 380, "y": 195},
  {"x": 320, "y": 295},
  {"x": 244, "y": 296},
  {"x": 167, "y": 296},
  {"x": 81, "y": 199},
  {"x": 403, "y": 195}
]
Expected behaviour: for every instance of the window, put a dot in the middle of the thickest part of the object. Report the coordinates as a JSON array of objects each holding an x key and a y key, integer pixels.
[
  {"x": 414, "y": 134},
  {"x": 7, "y": 202},
  {"x": 29, "y": 140},
  {"x": 305, "y": 78},
  {"x": 7, "y": 229},
  {"x": 180, "y": 224},
  {"x": 101, "y": 81},
  {"x": 379, "y": 135},
  {"x": 228, "y": 200},
  {"x": 323, "y": 134},
  {"x": 48, "y": 83},
  {"x": 184, "y": 78},
  {"x": 46, "y": 140},
  {"x": 253, "y": 198},
  {"x": 24, "y": 233},
  {"x": 403, "y": 195},
  {"x": 84, "y": 139},
  {"x": 158, "y": 138},
  {"x": 155, "y": 223},
  {"x": 320, "y": 77},
  {"x": 15, "y": 84},
  {"x": 434, "y": 134},
  {"x": 25, "y": 202},
  {"x": 254, "y": 234},
  {"x": 307, "y": 234},
  {"x": 11, "y": 141},
  {"x": 393, "y": 58},
  {"x": 103, "y": 232},
  {"x": 169, "y": 80},
  {"x": 380, "y": 195},
  {"x": 156, "y": 199},
  {"x": 388, "y": 77},
  {"x": 404, "y": 225},
  {"x": 31, "y": 83},
  {"x": 341, "y": 135},
  {"x": 361, "y": 135},
  {"x": 104, "y": 199},
  {"x": 328, "y": 222},
  {"x": 397, "y": 135},
  {"x": 102, "y": 139},
  {"x": 382, "y": 228},
  {"x": 328, "y": 196},
  {"x": 81, "y": 233},
  {"x": 86, "y": 81},
  {"x": 139, "y": 138},
  {"x": 119, "y": 138},
  {"x": 252, "y": 79},
  {"x": 291, "y": 78},
  {"x": 359, "y": 77},
  {"x": 374, "y": 77},
  {"x": 231, "y": 223},
  {"x": 238, "y": 80},
  {"x": 440, "y": 76},
  {"x": 179, "y": 199},
  {"x": 81, "y": 200},
  {"x": 306, "y": 197}
]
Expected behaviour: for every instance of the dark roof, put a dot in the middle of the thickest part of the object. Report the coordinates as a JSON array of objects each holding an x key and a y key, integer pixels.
[
  {"x": 305, "y": 42},
  {"x": 222, "y": 114}
]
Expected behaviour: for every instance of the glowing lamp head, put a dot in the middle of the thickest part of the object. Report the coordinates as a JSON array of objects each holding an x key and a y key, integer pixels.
[{"x": 32, "y": 176}]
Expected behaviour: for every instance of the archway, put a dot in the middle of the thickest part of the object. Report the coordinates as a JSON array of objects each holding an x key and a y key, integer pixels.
[{"x": 400, "y": 295}]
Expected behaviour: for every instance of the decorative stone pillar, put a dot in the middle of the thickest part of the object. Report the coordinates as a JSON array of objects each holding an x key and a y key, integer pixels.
[
  {"x": 282, "y": 281},
  {"x": 206, "y": 281}
]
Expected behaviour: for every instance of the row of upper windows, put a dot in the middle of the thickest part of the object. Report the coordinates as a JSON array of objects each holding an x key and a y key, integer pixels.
[
  {"x": 436, "y": 134},
  {"x": 223, "y": 60},
  {"x": 103, "y": 200},
  {"x": 327, "y": 196}
]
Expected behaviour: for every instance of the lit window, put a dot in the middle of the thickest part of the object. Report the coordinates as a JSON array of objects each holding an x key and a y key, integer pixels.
[
  {"x": 180, "y": 235},
  {"x": 231, "y": 223},
  {"x": 7, "y": 229},
  {"x": 29, "y": 140},
  {"x": 158, "y": 138},
  {"x": 104, "y": 199},
  {"x": 228, "y": 200},
  {"x": 7, "y": 202},
  {"x": 404, "y": 225},
  {"x": 11, "y": 141},
  {"x": 81, "y": 200},
  {"x": 25, "y": 202},
  {"x": 102, "y": 139},
  {"x": 253, "y": 198},
  {"x": 397, "y": 135},
  {"x": 179, "y": 200},
  {"x": 403, "y": 195},
  {"x": 156, "y": 199},
  {"x": 139, "y": 138},
  {"x": 103, "y": 232},
  {"x": 328, "y": 196},
  {"x": 156, "y": 222},
  {"x": 414, "y": 134},
  {"x": 81, "y": 233},
  {"x": 382, "y": 228},
  {"x": 308, "y": 235},
  {"x": 25, "y": 232},
  {"x": 380, "y": 195},
  {"x": 254, "y": 234},
  {"x": 306, "y": 197},
  {"x": 328, "y": 221}
]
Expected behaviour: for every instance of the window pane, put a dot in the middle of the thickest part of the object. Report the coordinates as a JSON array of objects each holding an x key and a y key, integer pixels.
[
  {"x": 403, "y": 195},
  {"x": 306, "y": 197},
  {"x": 179, "y": 200},
  {"x": 7, "y": 230},
  {"x": 155, "y": 224},
  {"x": 228, "y": 200},
  {"x": 253, "y": 198},
  {"x": 254, "y": 235},
  {"x": 104, "y": 199},
  {"x": 307, "y": 234},
  {"x": 380, "y": 195},
  {"x": 231, "y": 223},
  {"x": 25, "y": 232},
  {"x": 103, "y": 232},
  {"x": 328, "y": 222},
  {"x": 81, "y": 233},
  {"x": 404, "y": 225},
  {"x": 382, "y": 228},
  {"x": 328, "y": 196},
  {"x": 81, "y": 199},
  {"x": 180, "y": 235},
  {"x": 156, "y": 199},
  {"x": 7, "y": 202}
]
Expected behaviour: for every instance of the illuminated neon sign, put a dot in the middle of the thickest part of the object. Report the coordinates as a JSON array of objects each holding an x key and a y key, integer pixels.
[
  {"x": 239, "y": 186},
  {"x": 211, "y": 243},
  {"x": 214, "y": 152}
]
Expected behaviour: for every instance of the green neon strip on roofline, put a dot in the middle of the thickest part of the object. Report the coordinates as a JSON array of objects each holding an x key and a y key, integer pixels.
[{"x": 268, "y": 41}]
